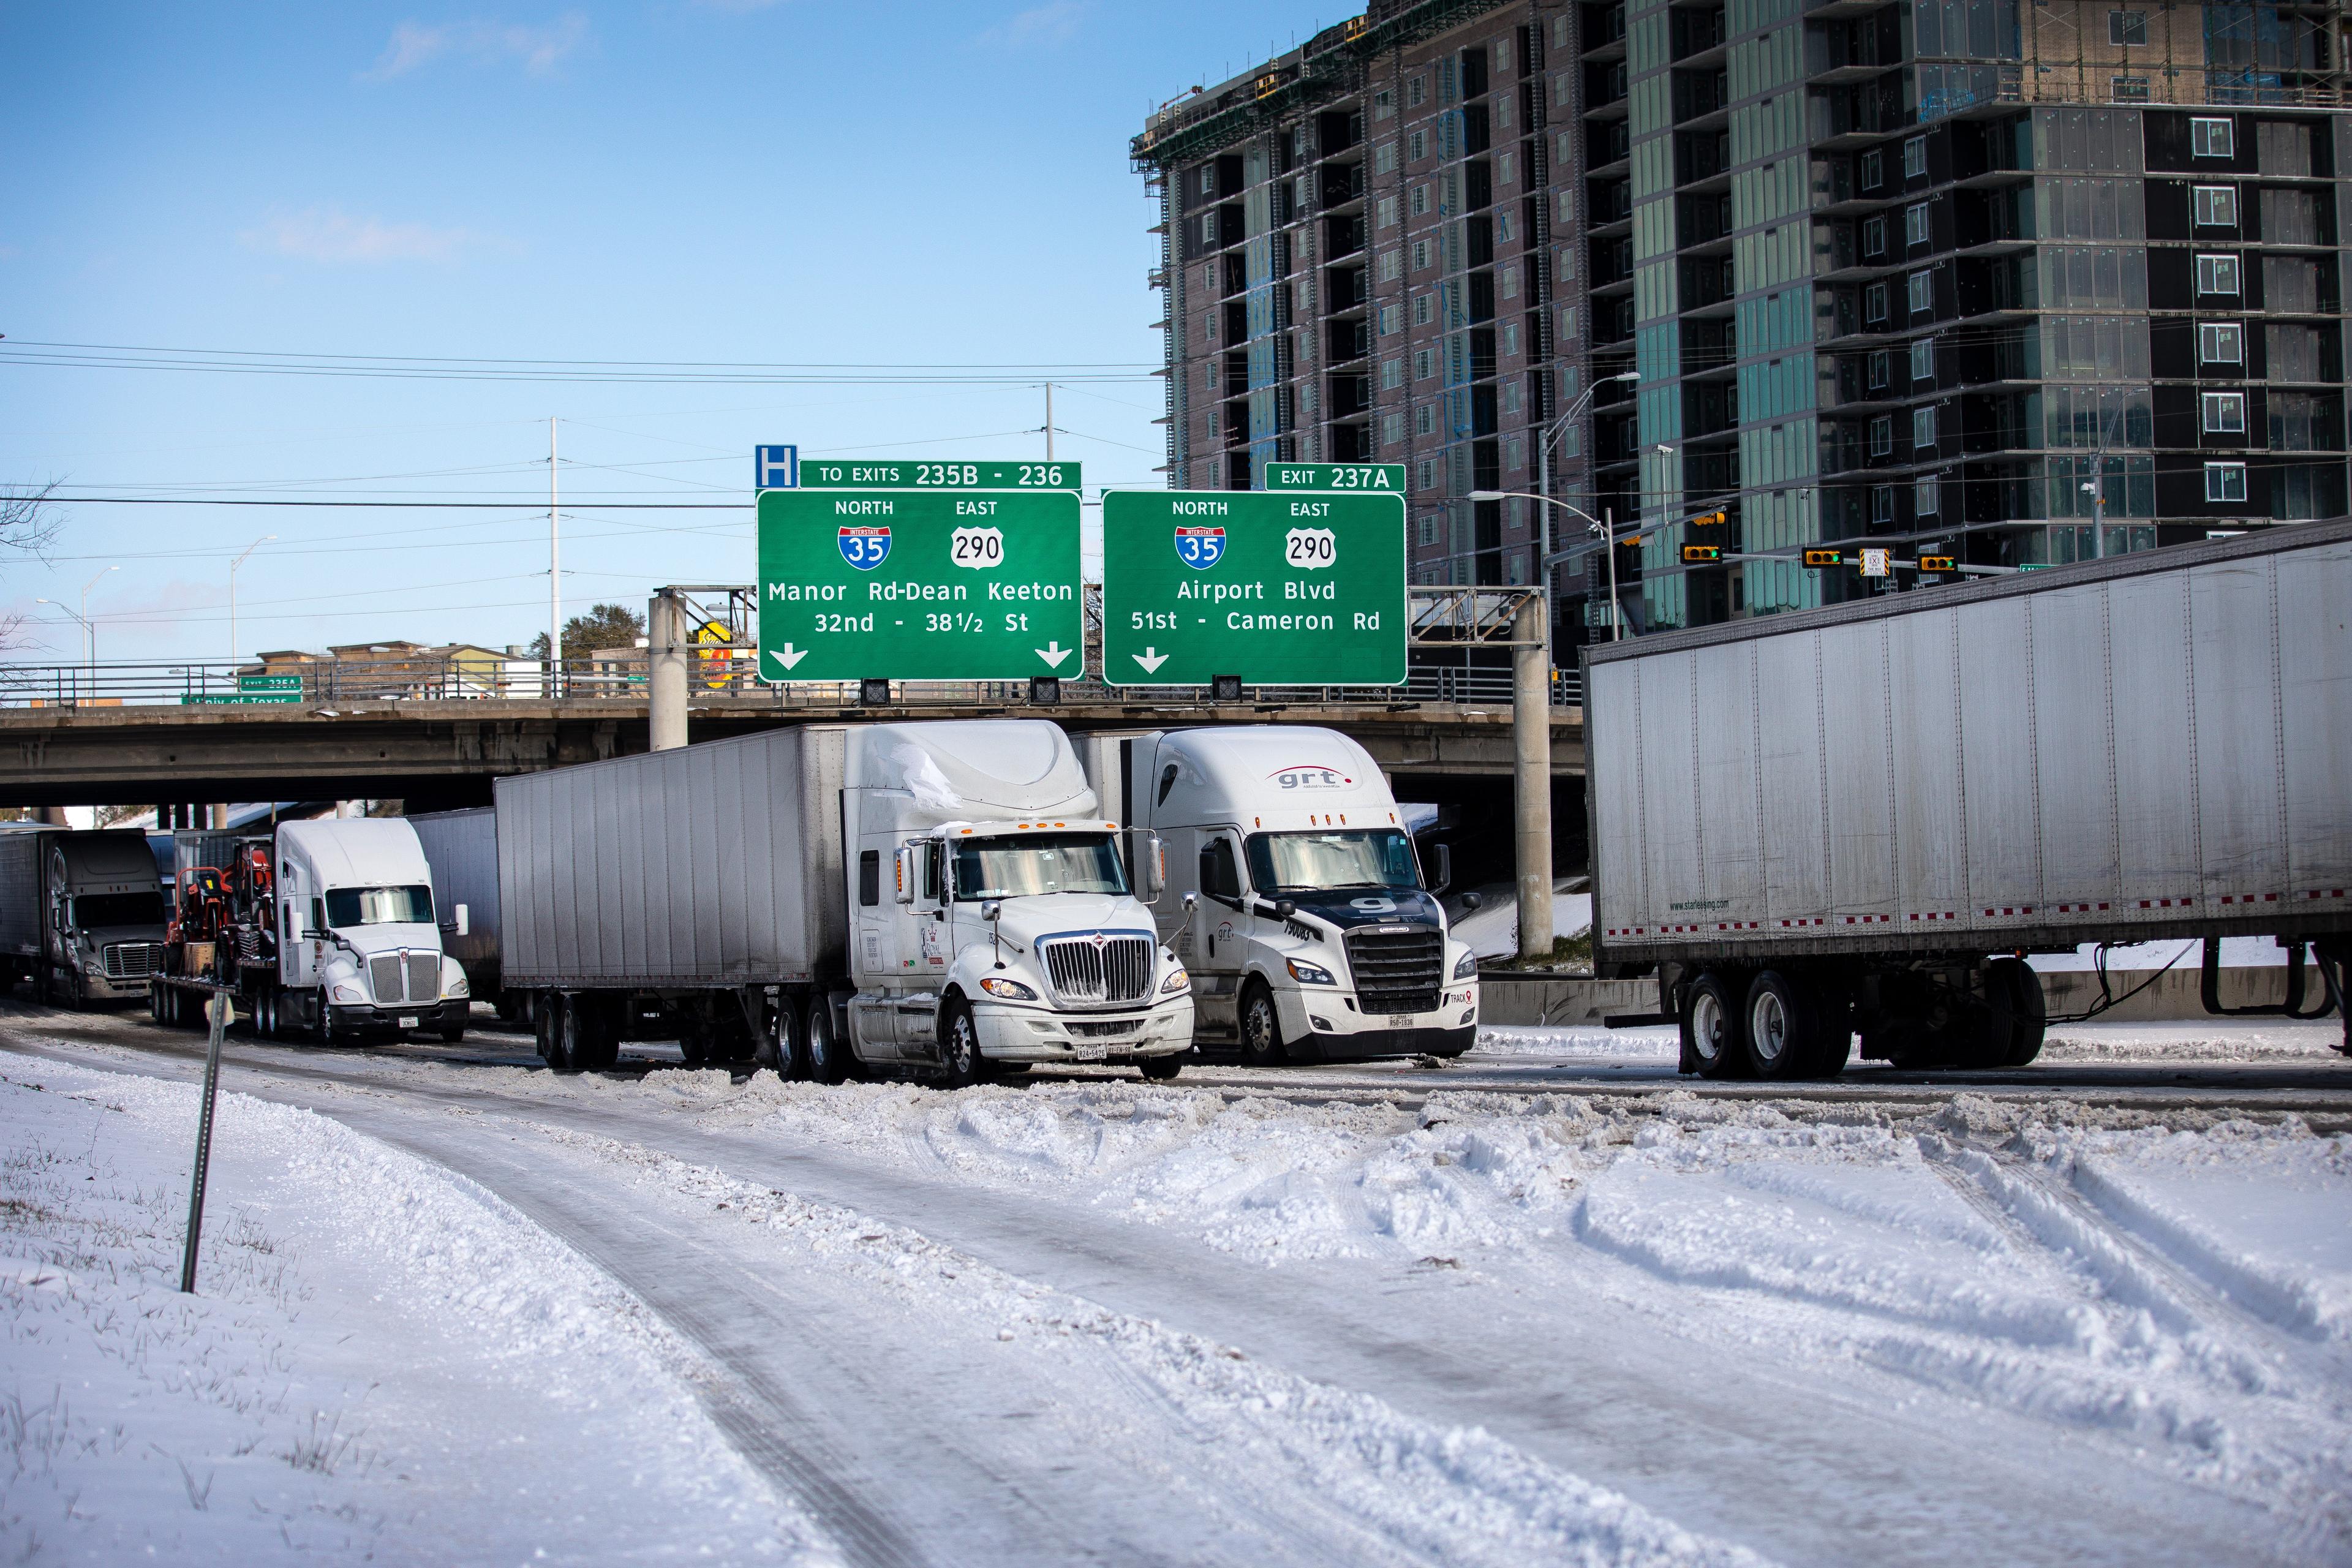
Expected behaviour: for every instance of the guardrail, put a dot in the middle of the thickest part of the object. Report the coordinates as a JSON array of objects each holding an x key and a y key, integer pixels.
[{"x": 325, "y": 687}]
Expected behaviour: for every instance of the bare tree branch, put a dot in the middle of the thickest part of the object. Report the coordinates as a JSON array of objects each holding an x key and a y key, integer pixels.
[{"x": 28, "y": 526}]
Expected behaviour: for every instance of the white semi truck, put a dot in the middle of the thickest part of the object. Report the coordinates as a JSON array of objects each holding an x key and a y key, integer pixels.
[
  {"x": 1301, "y": 911},
  {"x": 942, "y": 900},
  {"x": 322, "y": 931}
]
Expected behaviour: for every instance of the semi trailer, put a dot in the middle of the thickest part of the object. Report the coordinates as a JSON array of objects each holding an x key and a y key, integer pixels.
[
  {"x": 461, "y": 850},
  {"x": 320, "y": 930},
  {"x": 80, "y": 915},
  {"x": 1301, "y": 910},
  {"x": 1862, "y": 820},
  {"x": 942, "y": 900}
]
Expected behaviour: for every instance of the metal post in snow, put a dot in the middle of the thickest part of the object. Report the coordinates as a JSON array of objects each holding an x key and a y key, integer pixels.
[
  {"x": 554, "y": 571},
  {"x": 218, "y": 1012}
]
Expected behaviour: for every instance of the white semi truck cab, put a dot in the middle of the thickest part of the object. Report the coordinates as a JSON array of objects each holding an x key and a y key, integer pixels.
[
  {"x": 1299, "y": 909},
  {"x": 991, "y": 917}
]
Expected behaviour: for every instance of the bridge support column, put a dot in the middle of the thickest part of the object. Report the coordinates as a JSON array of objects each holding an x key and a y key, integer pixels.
[
  {"x": 665, "y": 671},
  {"x": 1531, "y": 772}
]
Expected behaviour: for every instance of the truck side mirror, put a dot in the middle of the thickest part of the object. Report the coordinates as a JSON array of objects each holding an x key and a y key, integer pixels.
[
  {"x": 1284, "y": 909},
  {"x": 907, "y": 870},
  {"x": 1191, "y": 902},
  {"x": 462, "y": 925},
  {"x": 1444, "y": 869},
  {"x": 1474, "y": 900},
  {"x": 1153, "y": 872}
]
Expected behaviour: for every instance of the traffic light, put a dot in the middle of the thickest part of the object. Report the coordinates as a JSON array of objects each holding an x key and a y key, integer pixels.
[
  {"x": 1936, "y": 563},
  {"x": 1824, "y": 558},
  {"x": 1695, "y": 554},
  {"x": 1706, "y": 518}
]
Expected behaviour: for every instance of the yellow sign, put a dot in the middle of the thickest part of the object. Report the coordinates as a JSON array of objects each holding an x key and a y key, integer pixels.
[{"x": 715, "y": 658}]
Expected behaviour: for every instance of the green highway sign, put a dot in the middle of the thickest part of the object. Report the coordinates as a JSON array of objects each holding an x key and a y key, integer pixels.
[
  {"x": 1282, "y": 588},
  {"x": 203, "y": 699},
  {"x": 269, "y": 683},
  {"x": 894, "y": 475},
  {"x": 929, "y": 579},
  {"x": 1379, "y": 478}
]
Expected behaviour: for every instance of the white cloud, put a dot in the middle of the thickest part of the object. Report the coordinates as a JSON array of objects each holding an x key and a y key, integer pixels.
[
  {"x": 539, "y": 48},
  {"x": 325, "y": 234},
  {"x": 1054, "y": 22}
]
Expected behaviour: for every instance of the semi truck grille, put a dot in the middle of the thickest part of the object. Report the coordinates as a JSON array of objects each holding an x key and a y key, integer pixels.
[
  {"x": 421, "y": 970},
  {"x": 1397, "y": 971},
  {"x": 384, "y": 977},
  {"x": 425, "y": 977},
  {"x": 133, "y": 960},
  {"x": 1105, "y": 969}
]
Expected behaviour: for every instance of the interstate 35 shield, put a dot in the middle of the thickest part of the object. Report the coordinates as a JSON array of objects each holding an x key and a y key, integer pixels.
[
  {"x": 1200, "y": 548},
  {"x": 865, "y": 548}
]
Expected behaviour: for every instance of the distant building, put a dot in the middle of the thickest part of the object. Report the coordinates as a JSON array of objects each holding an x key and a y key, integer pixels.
[{"x": 1926, "y": 274}]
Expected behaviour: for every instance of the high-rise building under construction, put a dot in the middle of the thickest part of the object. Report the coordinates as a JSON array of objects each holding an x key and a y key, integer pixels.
[{"x": 1954, "y": 276}]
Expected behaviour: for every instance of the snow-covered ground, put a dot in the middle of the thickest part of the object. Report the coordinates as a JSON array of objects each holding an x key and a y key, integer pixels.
[
  {"x": 1218, "y": 1325},
  {"x": 2207, "y": 1040}
]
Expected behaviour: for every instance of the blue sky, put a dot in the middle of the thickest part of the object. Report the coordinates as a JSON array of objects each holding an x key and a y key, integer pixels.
[{"x": 726, "y": 181}]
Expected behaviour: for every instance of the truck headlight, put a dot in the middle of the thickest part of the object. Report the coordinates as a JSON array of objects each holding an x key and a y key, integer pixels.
[
  {"x": 457, "y": 987},
  {"x": 1177, "y": 981},
  {"x": 349, "y": 993},
  {"x": 1010, "y": 989},
  {"x": 1466, "y": 966},
  {"x": 1309, "y": 974}
]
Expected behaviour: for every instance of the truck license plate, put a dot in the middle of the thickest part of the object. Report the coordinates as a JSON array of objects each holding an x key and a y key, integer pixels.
[
  {"x": 1089, "y": 1050},
  {"x": 1400, "y": 1020},
  {"x": 408, "y": 1023}
]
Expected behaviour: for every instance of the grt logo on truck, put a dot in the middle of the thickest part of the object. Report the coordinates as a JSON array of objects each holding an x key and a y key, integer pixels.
[{"x": 1311, "y": 778}]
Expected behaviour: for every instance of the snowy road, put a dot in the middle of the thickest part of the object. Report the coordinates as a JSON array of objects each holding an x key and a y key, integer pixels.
[{"x": 1092, "y": 1322}]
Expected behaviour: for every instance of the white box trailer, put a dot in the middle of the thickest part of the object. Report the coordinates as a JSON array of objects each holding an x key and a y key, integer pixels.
[{"x": 1860, "y": 819}]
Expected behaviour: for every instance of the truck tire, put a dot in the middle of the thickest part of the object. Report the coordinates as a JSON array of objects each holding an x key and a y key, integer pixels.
[
  {"x": 1834, "y": 1045},
  {"x": 1261, "y": 1030},
  {"x": 574, "y": 1034},
  {"x": 453, "y": 1033},
  {"x": 960, "y": 1063},
  {"x": 1783, "y": 1035},
  {"x": 542, "y": 1028},
  {"x": 788, "y": 1041},
  {"x": 828, "y": 1059},
  {"x": 154, "y": 1002},
  {"x": 1161, "y": 1068},
  {"x": 1714, "y": 1025},
  {"x": 2019, "y": 985}
]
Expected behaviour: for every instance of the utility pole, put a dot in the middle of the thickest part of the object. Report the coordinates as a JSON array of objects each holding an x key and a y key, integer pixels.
[
  {"x": 1049, "y": 421},
  {"x": 554, "y": 570}
]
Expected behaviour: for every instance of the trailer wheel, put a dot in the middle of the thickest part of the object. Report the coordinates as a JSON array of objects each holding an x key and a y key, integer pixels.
[
  {"x": 1261, "y": 1028},
  {"x": 828, "y": 1060},
  {"x": 542, "y": 1028},
  {"x": 788, "y": 1041},
  {"x": 1833, "y": 1044},
  {"x": 576, "y": 1049},
  {"x": 1714, "y": 1025},
  {"x": 1783, "y": 1034},
  {"x": 2015, "y": 983},
  {"x": 960, "y": 1046}
]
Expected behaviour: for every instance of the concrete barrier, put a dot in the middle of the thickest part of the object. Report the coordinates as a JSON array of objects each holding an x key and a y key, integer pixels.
[{"x": 1579, "y": 1001}]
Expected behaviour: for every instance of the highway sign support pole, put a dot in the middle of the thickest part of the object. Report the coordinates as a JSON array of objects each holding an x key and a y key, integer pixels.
[
  {"x": 216, "y": 1007},
  {"x": 665, "y": 672},
  {"x": 554, "y": 573},
  {"x": 1532, "y": 770}
]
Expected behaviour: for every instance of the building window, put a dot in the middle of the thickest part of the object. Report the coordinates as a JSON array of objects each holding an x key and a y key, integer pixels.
[
  {"x": 1383, "y": 104},
  {"x": 1384, "y": 158},
  {"x": 1423, "y": 309},
  {"x": 1874, "y": 303},
  {"x": 1208, "y": 179},
  {"x": 1882, "y": 504},
  {"x": 2220, "y": 343},
  {"x": 1915, "y": 157},
  {"x": 2217, "y": 274},
  {"x": 1424, "y": 365},
  {"x": 1915, "y": 224},
  {"x": 1567, "y": 206},
  {"x": 1213, "y": 423},
  {"x": 1511, "y": 400},
  {"x": 1391, "y": 429},
  {"x": 1419, "y": 254},
  {"x": 1923, "y": 497},
  {"x": 1417, "y": 145},
  {"x": 1428, "y": 531},
  {"x": 1506, "y": 169},
  {"x": 1391, "y": 319},
  {"x": 1503, "y": 228},
  {"x": 1882, "y": 436},
  {"x": 1428, "y": 475},
  {"x": 1391, "y": 266},
  {"x": 1515, "y": 452},
  {"x": 2225, "y": 481},
  {"x": 1391, "y": 374},
  {"x": 1923, "y": 359},
  {"x": 1510, "y": 339},
  {"x": 1510, "y": 282},
  {"x": 2217, "y": 205},
  {"x": 1425, "y": 420},
  {"x": 1209, "y": 328},
  {"x": 1923, "y": 427},
  {"x": 1878, "y": 370},
  {"x": 1416, "y": 92},
  {"x": 1873, "y": 236},
  {"x": 2130, "y": 88},
  {"x": 2127, "y": 29},
  {"x": 1387, "y": 212},
  {"x": 2213, "y": 138},
  {"x": 2225, "y": 413},
  {"x": 1921, "y": 289},
  {"x": 1420, "y": 200},
  {"x": 1873, "y": 170}
]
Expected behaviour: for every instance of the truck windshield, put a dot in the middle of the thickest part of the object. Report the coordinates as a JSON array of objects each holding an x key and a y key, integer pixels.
[
  {"x": 1039, "y": 863},
  {"x": 379, "y": 906},
  {"x": 1304, "y": 862},
  {"x": 91, "y": 910}
]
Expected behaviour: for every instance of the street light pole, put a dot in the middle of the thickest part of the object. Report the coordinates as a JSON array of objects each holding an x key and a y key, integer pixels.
[
  {"x": 1552, "y": 433},
  {"x": 232, "y": 591},
  {"x": 89, "y": 633}
]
